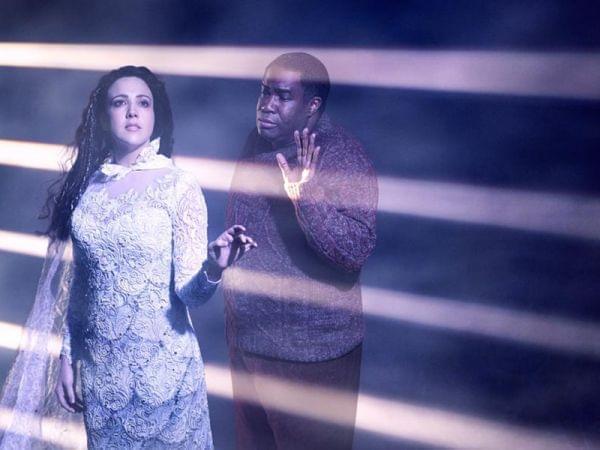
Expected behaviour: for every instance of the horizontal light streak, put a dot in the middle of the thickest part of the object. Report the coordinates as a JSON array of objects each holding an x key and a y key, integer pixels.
[
  {"x": 554, "y": 333},
  {"x": 32, "y": 155},
  {"x": 23, "y": 243},
  {"x": 392, "y": 418},
  {"x": 553, "y": 213},
  {"x": 549, "y": 332},
  {"x": 63, "y": 434},
  {"x": 12, "y": 336},
  {"x": 548, "y": 74}
]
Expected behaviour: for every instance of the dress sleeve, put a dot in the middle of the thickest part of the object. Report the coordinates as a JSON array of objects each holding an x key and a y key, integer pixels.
[
  {"x": 189, "y": 219},
  {"x": 337, "y": 208}
]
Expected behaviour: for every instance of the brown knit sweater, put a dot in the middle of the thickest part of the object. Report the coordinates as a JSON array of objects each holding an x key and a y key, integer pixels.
[{"x": 297, "y": 296}]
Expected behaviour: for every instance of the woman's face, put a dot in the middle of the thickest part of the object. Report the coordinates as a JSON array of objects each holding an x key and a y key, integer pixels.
[{"x": 130, "y": 112}]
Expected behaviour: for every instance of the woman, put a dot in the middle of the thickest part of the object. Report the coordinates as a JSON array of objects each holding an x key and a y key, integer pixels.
[{"x": 138, "y": 231}]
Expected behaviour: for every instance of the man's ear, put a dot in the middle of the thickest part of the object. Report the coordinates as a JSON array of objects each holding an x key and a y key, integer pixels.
[{"x": 313, "y": 105}]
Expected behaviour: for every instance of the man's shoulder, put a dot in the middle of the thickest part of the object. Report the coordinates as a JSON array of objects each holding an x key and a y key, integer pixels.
[{"x": 340, "y": 145}]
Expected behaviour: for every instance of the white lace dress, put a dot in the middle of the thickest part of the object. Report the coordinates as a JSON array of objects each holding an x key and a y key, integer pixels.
[{"x": 139, "y": 243}]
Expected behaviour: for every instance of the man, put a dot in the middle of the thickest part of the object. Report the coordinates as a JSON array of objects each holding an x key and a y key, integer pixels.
[{"x": 293, "y": 306}]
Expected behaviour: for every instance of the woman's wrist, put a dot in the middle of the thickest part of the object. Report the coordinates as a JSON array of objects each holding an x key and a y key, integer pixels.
[{"x": 213, "y": 271}]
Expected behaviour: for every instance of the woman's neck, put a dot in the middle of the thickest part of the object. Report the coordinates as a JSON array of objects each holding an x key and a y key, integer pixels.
[{"x": 126, "y": 156}]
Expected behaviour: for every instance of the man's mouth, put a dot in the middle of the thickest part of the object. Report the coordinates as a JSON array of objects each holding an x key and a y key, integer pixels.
[{"x": 264, "y": 123}]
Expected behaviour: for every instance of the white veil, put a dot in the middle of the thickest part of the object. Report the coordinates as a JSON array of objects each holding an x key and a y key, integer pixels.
[{"x": 30, "y": 416}]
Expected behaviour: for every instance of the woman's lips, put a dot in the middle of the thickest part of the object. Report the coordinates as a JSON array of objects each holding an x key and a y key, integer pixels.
[{"x": 132, "y": 127}]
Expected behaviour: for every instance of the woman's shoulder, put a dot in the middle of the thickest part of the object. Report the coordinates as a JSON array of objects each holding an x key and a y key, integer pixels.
[
  {"x": 183, "y": 175},
  {"x": 184, "y": 180}
]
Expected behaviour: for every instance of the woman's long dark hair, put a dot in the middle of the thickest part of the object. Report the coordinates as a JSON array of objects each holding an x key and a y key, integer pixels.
[{"x": 92, "y": 146}]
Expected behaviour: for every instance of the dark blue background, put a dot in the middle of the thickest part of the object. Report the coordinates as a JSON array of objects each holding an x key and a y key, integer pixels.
[{"x": 547, "y": 145}]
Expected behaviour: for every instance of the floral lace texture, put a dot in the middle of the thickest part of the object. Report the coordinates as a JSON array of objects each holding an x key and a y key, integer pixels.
[{"x": 137, "y": 266}]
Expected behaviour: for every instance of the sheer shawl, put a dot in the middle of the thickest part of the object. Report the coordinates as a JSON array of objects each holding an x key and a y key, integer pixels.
[{"x": 31, "y": 417}]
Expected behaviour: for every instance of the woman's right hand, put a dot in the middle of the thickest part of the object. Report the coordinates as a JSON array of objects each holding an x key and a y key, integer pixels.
[
  {"x": 65, "y": 387},
  {"x": 230, "y": 246}
]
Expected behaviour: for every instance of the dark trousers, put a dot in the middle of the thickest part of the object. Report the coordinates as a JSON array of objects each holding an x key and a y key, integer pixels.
[{"x": 297, "y": 411}]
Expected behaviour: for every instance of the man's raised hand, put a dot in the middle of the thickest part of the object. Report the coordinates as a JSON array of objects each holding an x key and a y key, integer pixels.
[{"x": 308, "y": 156}]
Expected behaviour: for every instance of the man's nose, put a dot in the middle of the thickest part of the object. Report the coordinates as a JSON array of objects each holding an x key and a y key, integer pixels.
[{"x": 266, "y": 104}]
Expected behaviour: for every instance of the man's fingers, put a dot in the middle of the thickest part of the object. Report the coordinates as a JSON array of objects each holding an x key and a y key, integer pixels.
[
  {"x": 283, "y": 165},
  {"x": 298, "y": 144},
  {"x": 305, "y": 144},
  {"x": 311, "y": 151},
  {"x": 314, "y": 159}
]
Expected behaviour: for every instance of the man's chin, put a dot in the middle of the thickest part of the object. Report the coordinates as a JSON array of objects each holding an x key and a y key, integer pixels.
[{"x": 269, "y": 134}]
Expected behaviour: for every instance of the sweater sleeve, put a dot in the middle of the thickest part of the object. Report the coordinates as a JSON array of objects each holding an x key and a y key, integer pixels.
[{"x": 336, "y": 209}]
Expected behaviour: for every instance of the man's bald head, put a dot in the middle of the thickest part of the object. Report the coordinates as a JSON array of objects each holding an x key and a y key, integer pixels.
[{"x": 313, "y": 74}]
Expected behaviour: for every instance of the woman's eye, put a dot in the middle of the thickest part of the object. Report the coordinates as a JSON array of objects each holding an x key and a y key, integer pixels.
[
  {"x": 145, "y": 103},
  {"x": 117, "y": 103}
]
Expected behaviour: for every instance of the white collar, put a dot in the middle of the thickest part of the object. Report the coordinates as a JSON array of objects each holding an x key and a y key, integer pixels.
[{"x": 147, "y": 159}]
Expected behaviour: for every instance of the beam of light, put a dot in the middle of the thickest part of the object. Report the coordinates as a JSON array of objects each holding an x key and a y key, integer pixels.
[
  {"x": 11, "y": 336},
  {"x": 63, "y": 434},
  {"x": 23, "y": 243},
  {"x": 392, "y": 418},
  {"x": 553, "y": 213},
  {"x": 553, "y": 333},
  {"x": 31, "y": 155},
  {"x": 557, "y": 74},
  {"x": 549, "y": 332}
]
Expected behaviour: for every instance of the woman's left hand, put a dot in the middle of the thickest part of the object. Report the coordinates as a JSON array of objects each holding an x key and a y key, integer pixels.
[{"x": 230, "y": 246}]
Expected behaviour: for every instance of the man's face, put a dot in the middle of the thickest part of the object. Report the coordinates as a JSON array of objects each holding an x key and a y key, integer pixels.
[{"x": 281, "y": 107}]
